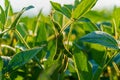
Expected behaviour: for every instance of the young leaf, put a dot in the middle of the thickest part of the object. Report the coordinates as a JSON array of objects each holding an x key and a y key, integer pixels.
[
  {"x": 9, "y": 10},
  {"x": 56, "y": 6},
  {"x": 76, "y": 3},
  {"x": 65, "y": 10},
  {"x": 82, "y": 8},
  {"x": 116, "y": 16},
  {"x": 2, "y": 16},
  {"x": 101, "y": 38},
  {"x": 22, "y": 58},
  {"x": 58, "y": 17}
]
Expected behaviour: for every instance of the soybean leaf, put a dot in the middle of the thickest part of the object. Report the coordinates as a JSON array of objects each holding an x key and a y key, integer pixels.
[
  {"x": 15, "y": 22},
  {"x": 22, "y": 28},
  {"x": 22, "y": 58},
  {"x": 70, "y": 7},
  {"x": 65, "y": 10},
  {"x": 116, "y": 16},
  {"x": 76, "y": 2},
  {"x": 8, "y": 10},
  {"x": 81, "y": 61},
  {"x": 58, "y": 17},
  {"x": 82, "y": 66},
  {"x": 56, "y": 6},
  {"x": 82, "y": 8},
  {"x": 101, "y": 38},
  {"x": 2, "y": 16},
  {"x": 41, "y": 33},
  {"x": 88, "y": 25},
  {"x": 100, "y": 57},
  {"x": 96, "y": 16}
]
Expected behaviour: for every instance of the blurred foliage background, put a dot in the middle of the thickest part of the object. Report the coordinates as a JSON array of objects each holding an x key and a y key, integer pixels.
[{"x": 55, "y": 58}]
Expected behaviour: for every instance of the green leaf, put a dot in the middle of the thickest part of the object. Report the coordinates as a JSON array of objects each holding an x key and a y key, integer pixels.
[
  {"x": 22, "y": 28},
  {"x": 1, "y": 64},
  {"x": 22, "y": 58},
  {"x": 116, "y": 16},
  {"x": 101, "y": 38},
  {"x": 15, "y": 22},
  {"x": 29, "y": 7},
  {"x": 76, "y": 3},
  {"x": 6, "y": 2},
  {"x": 82, "y": 8},
  {"x": 97, "y": 74},
  {"x": 81, "y": 61},
  {"x": 100, "y": 57},
  {"x": 9, "y": 10},
  {"x": 2, "y": 16},
  {"x": 58, "y": 17},
  {"x": 65, "y": 10},
  {"x": 82, "y": 66},
  {"x": 56, "y": 6},
  {"x": 41, "y": 33},
  {"x": 88, "y": 25},
  {"x": 98, "y": 16},
  {"x": 70, "y": 7}
]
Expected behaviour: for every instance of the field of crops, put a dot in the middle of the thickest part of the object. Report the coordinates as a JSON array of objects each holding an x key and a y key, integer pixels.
[{"x": 72, "y": 43}]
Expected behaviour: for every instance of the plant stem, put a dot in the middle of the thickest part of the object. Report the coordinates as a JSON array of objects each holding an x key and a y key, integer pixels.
[
  {"x": 115, "y": 29},
  {"x": 68, "y": 38},
  {"x": 22, "y": 39},
  {"x": 66, "y": 25}
]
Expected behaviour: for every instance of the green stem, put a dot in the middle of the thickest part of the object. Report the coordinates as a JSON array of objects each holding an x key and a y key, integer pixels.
[
  {"x": 115, "y": 29},
  {"x": 22, "y": 39},
  {"x": 37, "y": 23},
  {"x": 69, "y": 36},
  {"x": 66, "y": 25}
]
